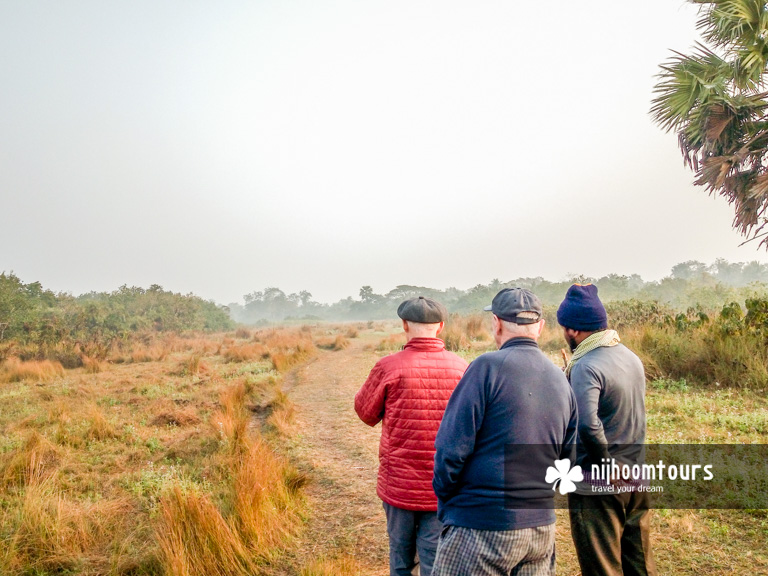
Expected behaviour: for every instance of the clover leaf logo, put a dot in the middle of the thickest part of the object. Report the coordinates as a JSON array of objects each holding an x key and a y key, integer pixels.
[{"x": 565, "y": 475}]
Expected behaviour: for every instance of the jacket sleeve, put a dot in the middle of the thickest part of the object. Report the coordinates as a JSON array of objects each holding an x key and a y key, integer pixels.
[
  {"x": 456, "y": 436},
  {"x": 370, "y": 399},
  {"x": 587, "y": 387}
]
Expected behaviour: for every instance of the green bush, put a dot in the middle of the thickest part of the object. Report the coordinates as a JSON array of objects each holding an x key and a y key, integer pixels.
[{"x": 38, "y": 323}]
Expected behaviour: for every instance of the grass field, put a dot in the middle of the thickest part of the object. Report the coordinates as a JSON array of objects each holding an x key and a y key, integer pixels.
[{"x": 203, "y": 455}]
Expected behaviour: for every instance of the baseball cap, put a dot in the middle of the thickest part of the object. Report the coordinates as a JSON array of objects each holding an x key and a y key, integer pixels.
[{"x": 517, "y": 305}]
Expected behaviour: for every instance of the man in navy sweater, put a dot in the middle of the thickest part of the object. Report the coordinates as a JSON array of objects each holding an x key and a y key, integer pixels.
[{"x": 511, "y": 416}]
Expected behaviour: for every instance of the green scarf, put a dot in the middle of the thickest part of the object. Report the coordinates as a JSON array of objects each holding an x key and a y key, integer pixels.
[{"x": 596, "y": 340}]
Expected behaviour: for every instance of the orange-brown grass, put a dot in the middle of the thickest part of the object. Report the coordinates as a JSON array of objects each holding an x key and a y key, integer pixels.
[
  {"x": 352, "y": 332},
  {"x": 454, "y": 337},
  {"x": 343, "y": 566},
  {"x": 286, "y": 351},
  {"x": 35, "y": 459},
  {"x": 153, "y": 353},
  {"x": 167, "y": 414},
  {"x": 283, "y": 411},
  {"x": 92, "y": 365},
  {"x": 243, "y": 334},
  {"x": 230, "y": 421},
  {"x": 477, "y": 327},
  {"x": 340, "y": 342},
  {"x": 99, "y": 427},
  {"x": 192, "y": 366},
  {"x": 265, "y": 499},
  {"x": 15, "y": 370},
  {"x": 200, "y": 345},
  {"x": 195, "y": 539},
  {"x": 391, "y": 343},
  {"x": 245, "y": 352},
  {"x": 54, "y": 535}
]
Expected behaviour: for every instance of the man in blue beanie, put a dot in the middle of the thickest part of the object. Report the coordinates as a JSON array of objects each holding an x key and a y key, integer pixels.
[{"x": 610, "y": 528}]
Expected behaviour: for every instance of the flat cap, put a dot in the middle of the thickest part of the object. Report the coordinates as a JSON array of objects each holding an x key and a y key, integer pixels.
[
  {"x": 422, "y": 310},
  {"x": 517, "y": 305}
]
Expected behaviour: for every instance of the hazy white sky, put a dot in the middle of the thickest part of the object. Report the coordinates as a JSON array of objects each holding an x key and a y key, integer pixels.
[{"x": 222, "y": 147}]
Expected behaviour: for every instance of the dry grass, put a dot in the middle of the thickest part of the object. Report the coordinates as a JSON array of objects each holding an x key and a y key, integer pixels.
[
  {"x": 54, "y": 535},
  {"x": 343, "y": 566},
  {"x": 243, "y": 334},
  {"x": 391, "y": 343},
  {"x": 195, "y": 539},
  {"x": 339, "y": 342},
  {"x": 170, "y": 415},
  {"x": 34, "y": 460},
  {"x": 454, "y": 337},
  {"x": 92, "y": 365},
  {"x": 230, "y": 421},
  {"x": 87, "y": 459},
  {"x": 15, "y": 370},
  {"x": 99, "y": 427},
  {"x": 153, "y": 353},
  {"x": 246, "y": 352},
  {"x": 266, "y": 499}
]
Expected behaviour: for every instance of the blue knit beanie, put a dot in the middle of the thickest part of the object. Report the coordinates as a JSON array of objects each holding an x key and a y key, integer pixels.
[{"x": 582, "y": 309}]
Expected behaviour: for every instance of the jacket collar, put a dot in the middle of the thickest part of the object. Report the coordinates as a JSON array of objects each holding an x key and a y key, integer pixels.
[
  {"x": 425, "y": 344},
  {"x": 519, "y": 341}
]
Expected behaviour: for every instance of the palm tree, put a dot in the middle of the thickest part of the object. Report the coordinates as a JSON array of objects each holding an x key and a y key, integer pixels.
[{"x": 715, "y": 100}]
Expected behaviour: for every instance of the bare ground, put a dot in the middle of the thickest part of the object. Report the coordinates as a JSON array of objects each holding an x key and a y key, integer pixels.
[{"x": 341, "y": 453}]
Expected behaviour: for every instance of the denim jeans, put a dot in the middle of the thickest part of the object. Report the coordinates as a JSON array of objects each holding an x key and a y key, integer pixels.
[{"x": 411, "y": 532}]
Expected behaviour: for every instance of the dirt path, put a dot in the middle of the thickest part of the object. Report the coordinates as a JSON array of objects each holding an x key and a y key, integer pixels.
[{"x": 347, "y": 517}]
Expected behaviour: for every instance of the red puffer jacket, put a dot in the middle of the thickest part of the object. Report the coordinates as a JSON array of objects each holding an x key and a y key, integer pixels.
[{"x": 409, "y": 391}]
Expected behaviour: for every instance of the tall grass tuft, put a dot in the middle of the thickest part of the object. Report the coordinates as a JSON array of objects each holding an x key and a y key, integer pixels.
[
  {"x": 54, "y": 535},
  {"x": 15, "y": 370},
  {"x": 340, "y": 342},
  {"x": 266, "y": 502},
  {"x": 99, "y": 427},
  {"x": 454, "y": 337},
  {"x": 231, "y": 420},
  {"x": 194, "y": 539},
  {"x": 245, "y": 352},
  {"x": 391, "y": 343},
  {"x": 30, "y": 463},
  {"x": 243, "y": 334},
  {"x": 92, "y": 365}
]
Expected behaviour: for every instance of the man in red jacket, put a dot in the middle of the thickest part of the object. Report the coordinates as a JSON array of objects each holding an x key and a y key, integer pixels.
[{"x": 408, "y": 392}]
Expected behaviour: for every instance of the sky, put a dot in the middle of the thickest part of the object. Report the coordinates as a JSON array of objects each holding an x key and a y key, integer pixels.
[{"x": 223, "y": 147}]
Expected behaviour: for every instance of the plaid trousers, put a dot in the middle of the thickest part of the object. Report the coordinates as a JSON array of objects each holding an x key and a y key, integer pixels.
[{"x": 468, "y": 552}]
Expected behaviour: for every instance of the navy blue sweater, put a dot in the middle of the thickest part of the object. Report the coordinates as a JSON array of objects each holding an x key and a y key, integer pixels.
[{"x": 514, "y": 399}]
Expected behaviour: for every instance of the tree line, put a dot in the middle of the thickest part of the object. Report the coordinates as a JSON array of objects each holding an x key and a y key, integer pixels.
[
  {"x": 33, "y": 315},
  {"x": 689, "y": 284}
]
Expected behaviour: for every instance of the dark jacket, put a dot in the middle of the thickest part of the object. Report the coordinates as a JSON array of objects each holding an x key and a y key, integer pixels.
[
  {"x": 514, "y": 399},
  {"x": 609, "y": 384},
  {"x": 408, "y": 392}
]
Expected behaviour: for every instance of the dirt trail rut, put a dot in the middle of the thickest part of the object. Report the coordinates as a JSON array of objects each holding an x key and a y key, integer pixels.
[{"x": 347, "y": 516}]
